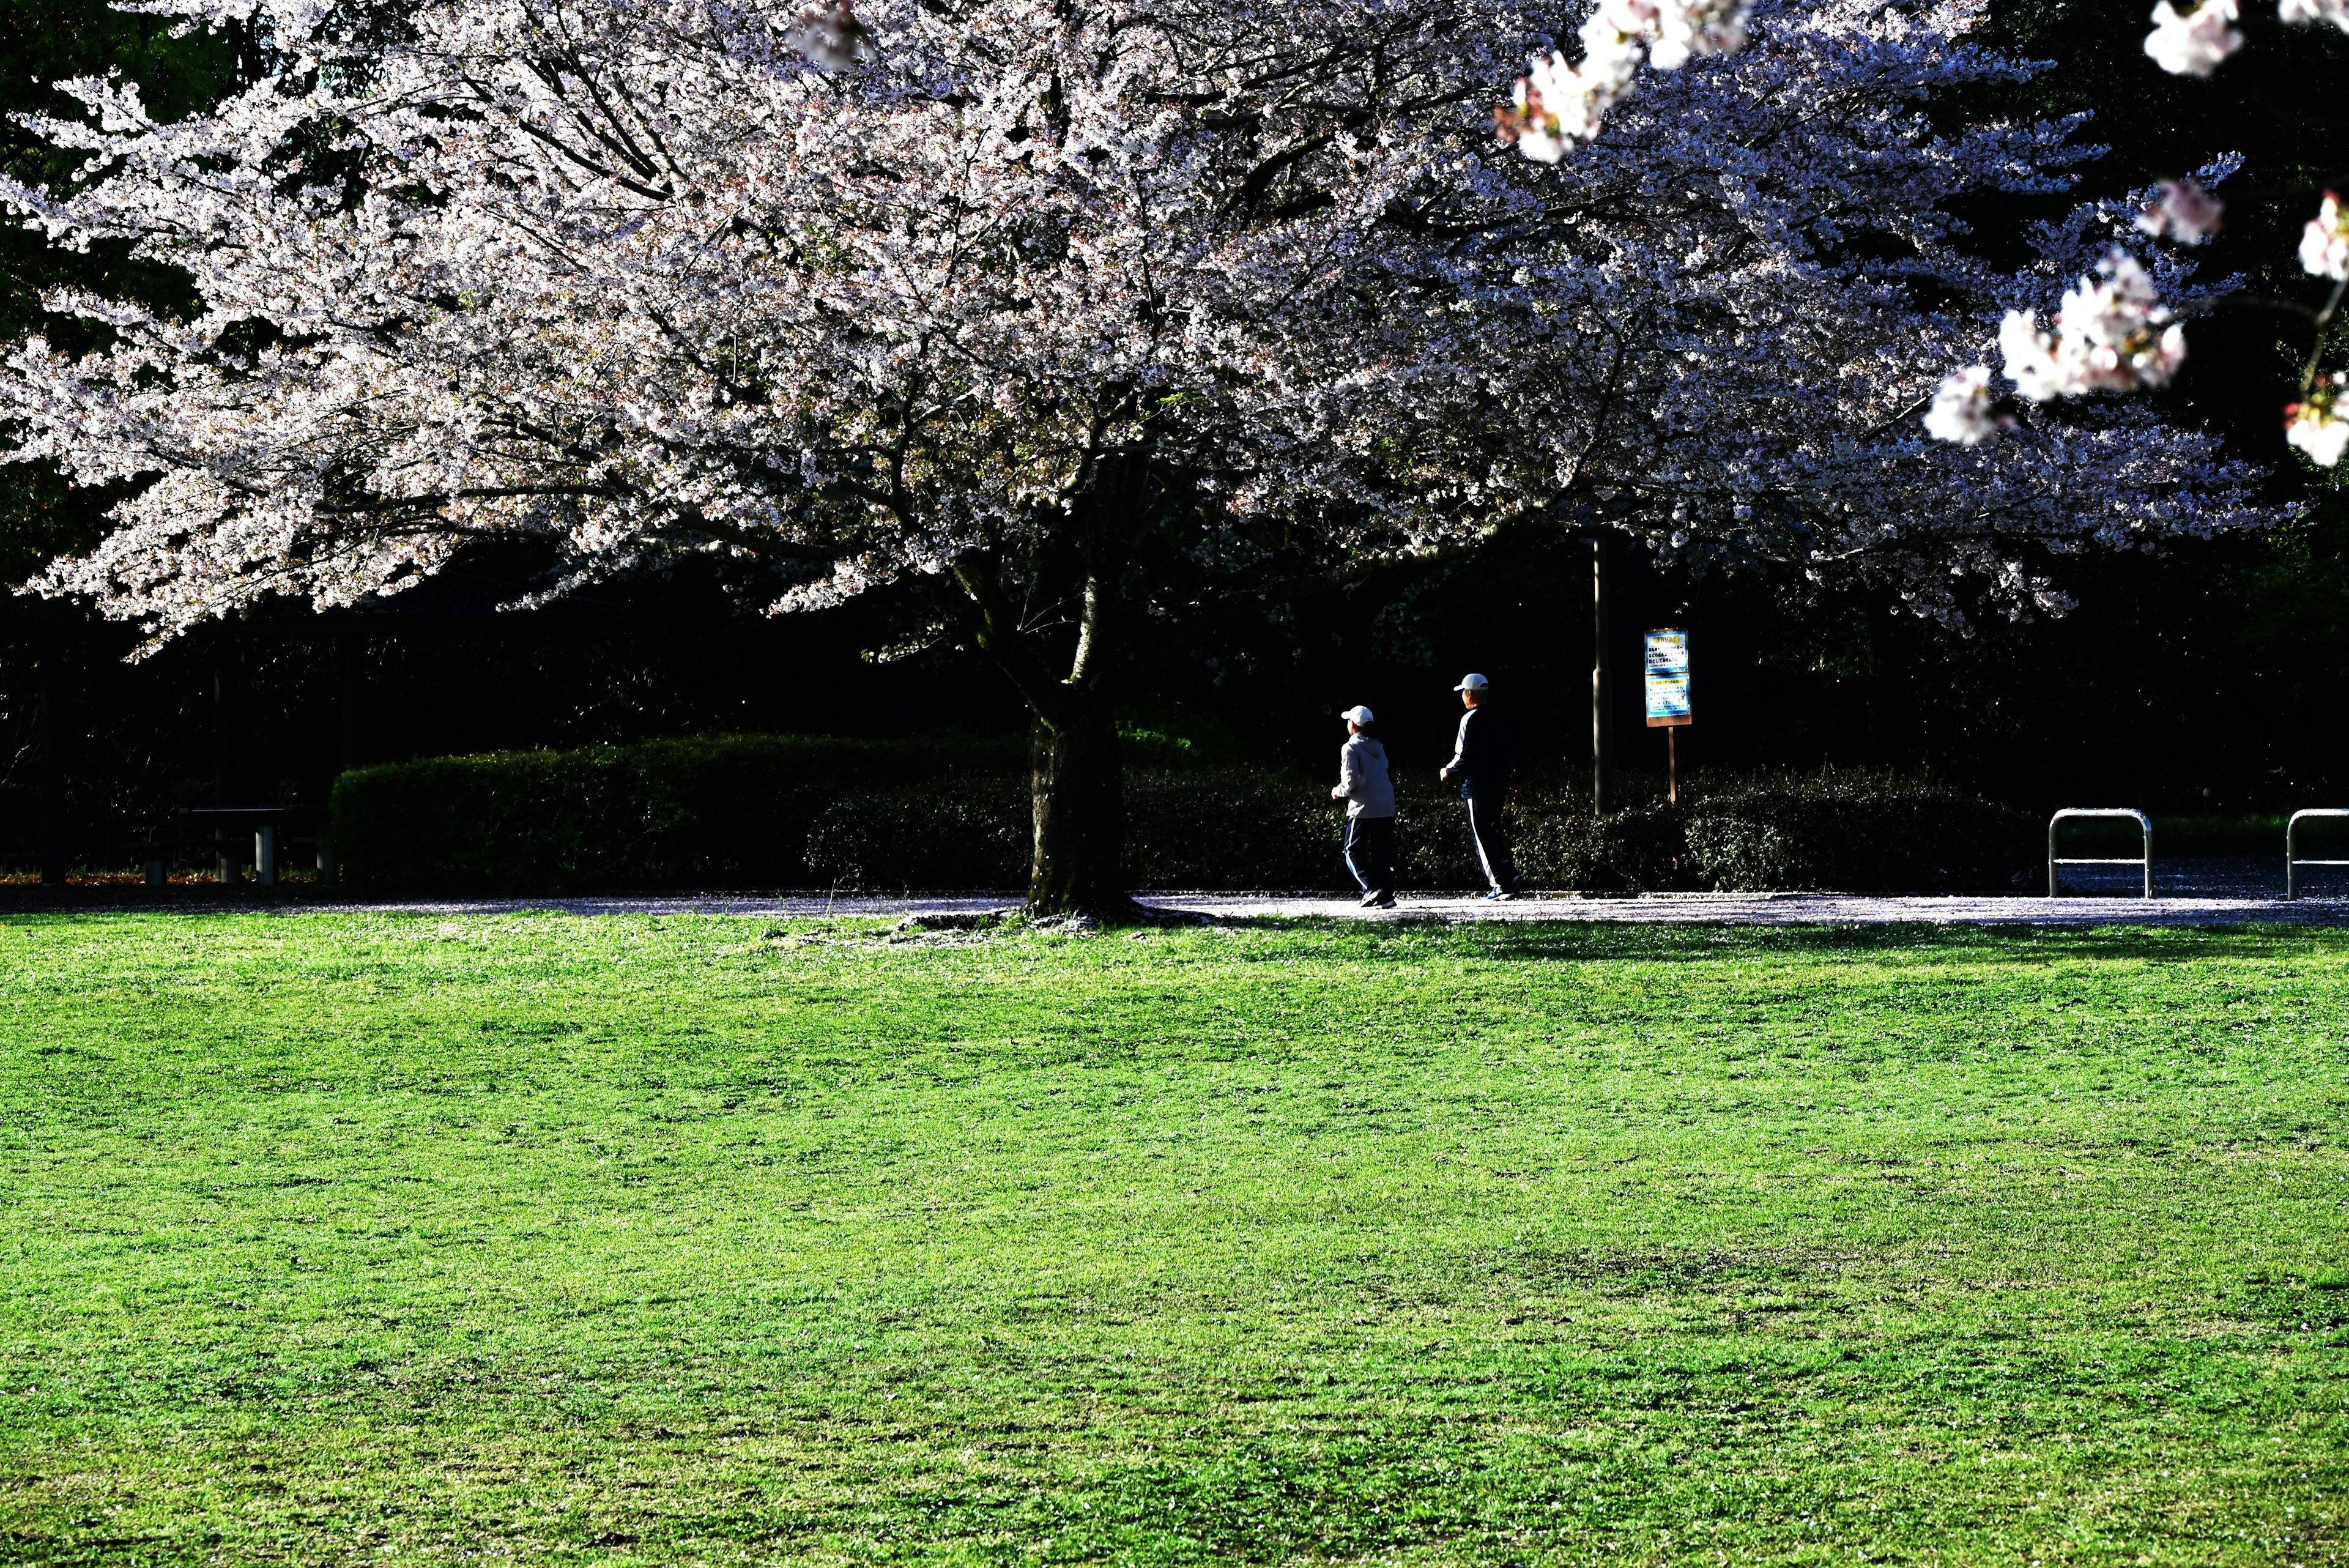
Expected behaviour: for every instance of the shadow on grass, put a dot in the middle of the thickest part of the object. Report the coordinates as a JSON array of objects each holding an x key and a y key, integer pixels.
[{"x": 1595, "y": 941}]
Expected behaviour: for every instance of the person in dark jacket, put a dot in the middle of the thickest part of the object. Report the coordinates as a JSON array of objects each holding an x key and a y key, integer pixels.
[
  {"x": 1480, "y": 761},
  {"x": 1369, "y": 794}
]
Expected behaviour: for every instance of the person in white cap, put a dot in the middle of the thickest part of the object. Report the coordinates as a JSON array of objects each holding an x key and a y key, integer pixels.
[
  {"x": 1480, "y": 761},
  {"x": 1369, "y": 795}
]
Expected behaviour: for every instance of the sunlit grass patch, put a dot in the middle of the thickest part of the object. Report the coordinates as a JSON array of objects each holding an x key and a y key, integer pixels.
[{"x": 685, "y": 1238}]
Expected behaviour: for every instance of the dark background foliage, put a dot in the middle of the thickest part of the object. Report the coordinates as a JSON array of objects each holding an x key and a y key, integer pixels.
[{"x": 2207, "y": 679}]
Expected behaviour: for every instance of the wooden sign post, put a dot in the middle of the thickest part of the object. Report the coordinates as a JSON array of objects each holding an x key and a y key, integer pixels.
[{"x": 1668, "y": 696}]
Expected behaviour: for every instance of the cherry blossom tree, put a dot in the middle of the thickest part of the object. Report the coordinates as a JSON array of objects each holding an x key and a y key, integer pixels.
[{"x": 1085, "y": 323}]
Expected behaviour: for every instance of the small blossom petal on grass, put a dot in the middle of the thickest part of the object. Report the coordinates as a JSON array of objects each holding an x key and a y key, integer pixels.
[
  {"x": 2316, "y": 426},
  {"x": 1961, "y": 408},
  {"x": 2183, "y": 210},
  {"x": 2325, "y": 243},
  {"x": 2193, "y": 43}
]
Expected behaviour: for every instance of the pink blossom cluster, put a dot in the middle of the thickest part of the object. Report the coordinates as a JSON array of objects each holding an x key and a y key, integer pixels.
[
  {"x": 2312, "y": 13},
  {"x": 2196, "y": 41},
  {"x": 2181, "y": 210},
  {"x": 1558, "y": 103},
  {"x": 2111, "y": 336}
]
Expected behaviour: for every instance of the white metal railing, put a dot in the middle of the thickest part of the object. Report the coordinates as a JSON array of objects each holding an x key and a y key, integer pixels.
[
  {"x": 2070, "y": 812},
  {"x": 2292, "y": 860}
]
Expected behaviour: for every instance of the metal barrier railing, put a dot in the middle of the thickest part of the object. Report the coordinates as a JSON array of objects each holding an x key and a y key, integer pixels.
[
  {"x": 2292, "y": 860},
  {"x": 2072, "y": 812}
]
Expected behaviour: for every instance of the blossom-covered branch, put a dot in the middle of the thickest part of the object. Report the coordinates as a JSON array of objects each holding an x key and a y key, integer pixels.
[
  {"x": 1559, "y": 103},
  {"x": 2195, "y": 42}
]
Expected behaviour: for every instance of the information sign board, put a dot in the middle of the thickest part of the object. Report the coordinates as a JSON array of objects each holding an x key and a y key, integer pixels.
[{"x": 1668, "y": 678}]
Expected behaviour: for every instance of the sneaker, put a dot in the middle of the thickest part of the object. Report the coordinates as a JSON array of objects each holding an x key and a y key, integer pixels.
[
  {"x": 1498, "y": 897},
  {"x": 1371, "y": 898},
  {"x": 1385, "y": 901}
]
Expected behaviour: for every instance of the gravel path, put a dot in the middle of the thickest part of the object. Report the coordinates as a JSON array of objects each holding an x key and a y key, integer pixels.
[{"x": 2212, "y": 890}]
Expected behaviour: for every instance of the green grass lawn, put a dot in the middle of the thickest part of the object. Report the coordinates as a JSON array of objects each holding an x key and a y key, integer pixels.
[{"x": 345, "y": 1239}]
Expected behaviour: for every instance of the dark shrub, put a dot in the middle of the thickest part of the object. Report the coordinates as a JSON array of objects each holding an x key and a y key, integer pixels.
[
  {"x": 1201, "y": 828},
  {"x": 1860, "y": 836},
  {"x": 1640, "y": 849},
  {"x": 714, "y": 811},
  {"x": 926, "y": 838},
  {"x": 1232, "y": 827}
]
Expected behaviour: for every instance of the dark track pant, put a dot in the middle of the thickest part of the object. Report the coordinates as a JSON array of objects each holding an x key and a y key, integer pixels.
[
  {"x": 1492, "y": 837},
  {"x": 1369, "y": 852}
]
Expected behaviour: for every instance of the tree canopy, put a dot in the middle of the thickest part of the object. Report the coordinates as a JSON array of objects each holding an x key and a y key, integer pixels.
[{"x": 1087, "y": 323}]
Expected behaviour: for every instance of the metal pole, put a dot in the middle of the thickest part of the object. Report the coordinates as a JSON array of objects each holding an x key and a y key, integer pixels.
[
  {"x": 220, "y": 732},
  {"x": 351, "y": 676},
  {"x": 1602, "y": 686},
  {"x": 1673, "y": 763},
  {"x": 227, "y": 855},
  {"x": 2291, "y": 856},
  {"x": 2149, "y": 857},
  {"x": 52, "y": 781},
  {"x": 2051, "y": 854}
]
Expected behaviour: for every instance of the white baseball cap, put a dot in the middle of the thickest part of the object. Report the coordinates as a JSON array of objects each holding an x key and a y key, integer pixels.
[
  {"x": 1357, "y": 714},
  {"x": 1472, "y": 683}
]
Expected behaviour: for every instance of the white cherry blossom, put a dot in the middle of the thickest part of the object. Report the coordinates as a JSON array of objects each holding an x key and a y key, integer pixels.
[
  {"x": 1961, "y": 408},
  {"x": 2324, "y": 243},
  {"x": 2307, "y": 13},
  {"x": 2314, "y": 425},
  {"x": 2183, "y": 211},
  {"x": 2192, "y": 43}
]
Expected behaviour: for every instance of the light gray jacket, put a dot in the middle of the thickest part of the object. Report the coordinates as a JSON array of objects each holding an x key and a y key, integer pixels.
[{"x": 1362, "y": 775}]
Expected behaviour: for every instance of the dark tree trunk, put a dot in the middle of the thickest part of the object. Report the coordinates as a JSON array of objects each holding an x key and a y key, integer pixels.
[
  {"x": 1602, "y": 685},
  {"x": 1076, "y": 779},
  {"x": 1078, "y": 785}
]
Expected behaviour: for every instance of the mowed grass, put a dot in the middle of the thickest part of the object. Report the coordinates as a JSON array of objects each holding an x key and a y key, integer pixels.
[{"x": 363, "y": 1239}]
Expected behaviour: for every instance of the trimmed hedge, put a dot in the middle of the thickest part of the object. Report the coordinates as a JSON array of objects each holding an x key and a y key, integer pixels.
[
  {"x": 1844, "y": 833},
  {"x": 751, "y": 811},
  {"x": 1860, "y": 839},
  {"x": 706, "y": 812},
  {"x": 1233, "y": 828}
]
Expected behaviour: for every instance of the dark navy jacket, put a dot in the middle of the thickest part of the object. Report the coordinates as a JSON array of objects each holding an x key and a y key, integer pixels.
[{"x": 1480, "y": 756}]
